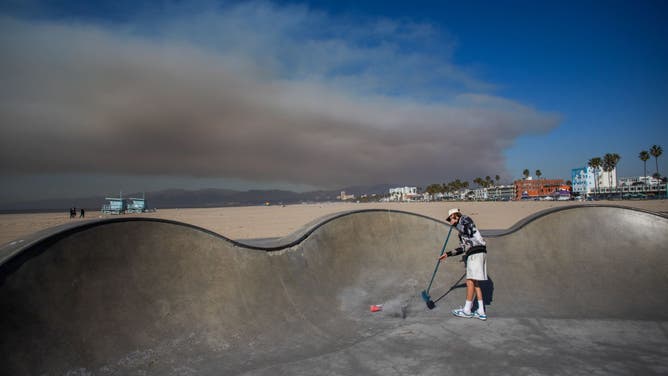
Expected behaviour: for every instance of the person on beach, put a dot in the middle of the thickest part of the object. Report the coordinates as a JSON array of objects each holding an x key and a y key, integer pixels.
[{"x": 474, "y": 248}]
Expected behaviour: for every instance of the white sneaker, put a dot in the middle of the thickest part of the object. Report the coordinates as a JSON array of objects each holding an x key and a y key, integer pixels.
[
  {"x": 461, "y": 313},
  {"x": 478, "y": 316}
]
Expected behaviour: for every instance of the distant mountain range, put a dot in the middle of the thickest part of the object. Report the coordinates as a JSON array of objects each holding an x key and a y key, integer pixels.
[{"x": 204, "y": 198}]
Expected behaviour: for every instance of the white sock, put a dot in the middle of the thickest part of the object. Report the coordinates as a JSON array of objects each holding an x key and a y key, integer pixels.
[
  {"x": 467, "y": 306},
  {"x": 481, "y": 307}
]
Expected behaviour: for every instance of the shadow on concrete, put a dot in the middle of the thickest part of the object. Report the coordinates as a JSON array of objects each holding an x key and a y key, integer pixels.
[
  {"x": 486, "y": 286},
  {"x": 456, "y": 285}
]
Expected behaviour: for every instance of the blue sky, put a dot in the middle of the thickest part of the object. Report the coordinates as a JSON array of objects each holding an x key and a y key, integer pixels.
[
  {"x": 602, "y": 65},
  {"x": 442, "y": 89}
]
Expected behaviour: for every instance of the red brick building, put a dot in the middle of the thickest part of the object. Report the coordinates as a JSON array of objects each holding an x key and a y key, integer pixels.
[{"x": 530, "y": 189}]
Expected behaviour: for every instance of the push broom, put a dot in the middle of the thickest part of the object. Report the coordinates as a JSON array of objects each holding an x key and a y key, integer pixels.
[{"x": 425, "y": 293}]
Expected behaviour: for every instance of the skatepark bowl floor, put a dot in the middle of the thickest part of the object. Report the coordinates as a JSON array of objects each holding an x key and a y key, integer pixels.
[{"x": 572, "y": 291}]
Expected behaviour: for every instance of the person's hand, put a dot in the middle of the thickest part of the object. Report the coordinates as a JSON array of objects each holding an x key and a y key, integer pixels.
[{"x": 443, "y": 257}]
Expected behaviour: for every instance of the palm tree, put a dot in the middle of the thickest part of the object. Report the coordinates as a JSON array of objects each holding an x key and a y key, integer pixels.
[
  {"x": 610, "y": 161},
  {"x": 644, "y": 157},
  {"x": 433, "y": 189},
  {"x": 454, "y": 186},
  {"x": 497, "y": 178},
  {"x": 488, "y": 181},
  {"x": 526, "y": 173},
  {"x": 656, "y": 152},
  {"x": 595, "y": 164},
  {"x": 538, "y": 174}
]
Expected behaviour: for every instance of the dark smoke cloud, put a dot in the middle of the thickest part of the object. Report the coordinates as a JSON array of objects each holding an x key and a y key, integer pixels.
[{"x": 84, "y": 99}]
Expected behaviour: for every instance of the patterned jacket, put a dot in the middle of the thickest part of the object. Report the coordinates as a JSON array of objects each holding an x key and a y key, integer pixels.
[{"x": 469, "y": 236}]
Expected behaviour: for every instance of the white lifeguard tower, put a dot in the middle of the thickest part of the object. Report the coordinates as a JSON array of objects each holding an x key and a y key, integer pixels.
[
  {"x": 119, "y": 205},
  {"x": 114, "y": 205},
  {"x": 136, "y": 205}
]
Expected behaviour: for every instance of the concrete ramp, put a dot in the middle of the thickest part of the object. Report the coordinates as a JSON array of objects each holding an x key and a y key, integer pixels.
[{"x": 579, "y": 290}]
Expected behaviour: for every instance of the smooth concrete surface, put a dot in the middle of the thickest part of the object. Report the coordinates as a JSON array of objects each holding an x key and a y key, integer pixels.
[{"x": 579, "y": 290}]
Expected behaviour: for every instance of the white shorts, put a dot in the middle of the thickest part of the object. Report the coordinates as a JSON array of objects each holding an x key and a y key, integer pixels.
[{"x": 476, "y": 267}]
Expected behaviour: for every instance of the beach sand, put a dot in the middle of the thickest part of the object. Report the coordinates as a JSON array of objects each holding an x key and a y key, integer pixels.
[{"x": 251, "y": 222}]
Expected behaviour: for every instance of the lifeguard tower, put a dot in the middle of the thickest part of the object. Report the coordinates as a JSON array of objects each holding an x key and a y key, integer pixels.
[
  {"x": 120, "y": 205},
  {"x": 136, "y": 205},
  {"x": 114, "y": 205}
]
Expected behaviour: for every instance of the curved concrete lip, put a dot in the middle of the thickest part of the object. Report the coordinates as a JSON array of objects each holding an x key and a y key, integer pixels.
[{"x": 15, "y": 247}]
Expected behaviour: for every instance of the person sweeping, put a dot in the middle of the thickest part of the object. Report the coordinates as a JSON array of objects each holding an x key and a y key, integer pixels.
[{"x": 474, "y": 248}]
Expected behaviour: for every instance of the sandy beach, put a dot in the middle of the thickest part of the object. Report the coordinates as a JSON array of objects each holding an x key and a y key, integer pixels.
[{"x": 273, "y": 221}]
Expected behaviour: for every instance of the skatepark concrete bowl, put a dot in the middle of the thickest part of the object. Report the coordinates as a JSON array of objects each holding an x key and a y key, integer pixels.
[{"x": 575, "y": 290}]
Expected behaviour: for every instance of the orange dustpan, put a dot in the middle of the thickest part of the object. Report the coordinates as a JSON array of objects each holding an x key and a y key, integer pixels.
[{"x": 376, "y": 308}]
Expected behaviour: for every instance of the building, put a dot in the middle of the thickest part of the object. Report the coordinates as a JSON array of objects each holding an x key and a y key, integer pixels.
[
  {"x": 637, "y": 180},
  {"x": 536, "y": 189},
  {"x": 607, "y": 179},
  {"x": 582, "y": 180},
  {"x": 562, "y": 194},
  {"x": 585, "y": 180},
  {"x": 404, "y": 194},
  {"x": 344, "y": 197},
  {"x": 479, "y": 194},
  {"x": 501, "y": 193}
]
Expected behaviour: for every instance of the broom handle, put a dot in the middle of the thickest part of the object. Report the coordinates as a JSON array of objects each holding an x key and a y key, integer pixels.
[{"x": 439, "y": 261}]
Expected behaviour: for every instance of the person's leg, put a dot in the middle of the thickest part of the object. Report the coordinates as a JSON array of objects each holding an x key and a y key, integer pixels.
[
  {"x": 471, "y": 284},
  {"x": 478, "y": 290},
  {"x": 480, "y": 312},
  {"x": 470, "y": 289},
  {"x": 481, "y": 304},
  {"x": 466, "y": 311}
]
